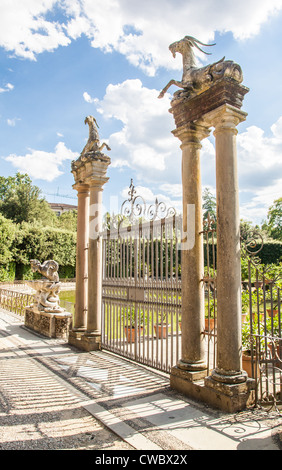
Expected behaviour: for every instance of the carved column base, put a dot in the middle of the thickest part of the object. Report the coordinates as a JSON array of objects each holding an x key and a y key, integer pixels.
[
  {"x": 85, "y": 341},
  {"x": 229, "y": 398},
  {"x": 197, "y": 366},
  {"x": 229, "y": 378},
  {"x": 188, "y": 375}
]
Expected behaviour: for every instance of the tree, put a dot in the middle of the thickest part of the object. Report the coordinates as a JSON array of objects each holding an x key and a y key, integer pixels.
[
  {"x": 209, "y": 206},
  {"x": 7, "y": 236},
  {"x": 274, "y": 220},
  {"x": 20, "y": 201},
  {"x": 68, "y": 220}
]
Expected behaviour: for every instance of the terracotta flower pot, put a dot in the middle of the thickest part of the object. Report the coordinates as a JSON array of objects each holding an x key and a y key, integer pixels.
[
  {"x": 275, "y": 354},
  {"x": 161, "y": 331},
  {"x": 131, "y": 333},
  {"x": 269, "y": 313},
  {"x": 247, "y": 365},
  {"x": 209, "y": 324}
]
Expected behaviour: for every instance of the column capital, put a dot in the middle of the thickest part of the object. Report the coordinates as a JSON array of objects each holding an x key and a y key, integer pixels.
[
  {"x": 192, "y": 133},
  {"x": 96, "y": 182},
  {"x": 224, "y": 118},
  {"x": 81, "y": 187}
]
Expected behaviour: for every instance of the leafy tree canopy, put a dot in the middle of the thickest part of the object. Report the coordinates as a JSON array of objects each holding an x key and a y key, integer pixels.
[
  {"x": 274, "y": 220},
  {"x": 209, "y": 206},
  {"x": 20, "y": 201},
  {"x": 68, "y": 220},
  {"x": 7, "y": 236}
]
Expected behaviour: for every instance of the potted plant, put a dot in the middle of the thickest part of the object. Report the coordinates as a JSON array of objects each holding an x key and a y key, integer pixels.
[
  {"x": 161, "y": 328},
  {"x": 210, "y": 308},
  {"x": 272, "y": 299},
  {"x": 245, "y": 304},
  {"x": 134, "y": 320},
  {"x": 274, "y": 340},
  {"x": 255, "y": 300},
  {"x": 179, "y": 322},
  {"x": 249, "y": 352},
  {"x": 272, "y": 312}
]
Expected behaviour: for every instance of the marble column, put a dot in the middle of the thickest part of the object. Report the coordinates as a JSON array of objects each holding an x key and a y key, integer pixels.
[
  {"x": 80, "y": 317},
  {"x": 229, "y": 338},
  {"x": 192, "y": 263}
]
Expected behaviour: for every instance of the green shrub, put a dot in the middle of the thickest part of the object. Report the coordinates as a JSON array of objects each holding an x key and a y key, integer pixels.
[{"x": 8, "y": 272}]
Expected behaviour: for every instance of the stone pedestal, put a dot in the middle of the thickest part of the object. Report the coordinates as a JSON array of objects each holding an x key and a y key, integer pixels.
[{"x": 51, "y": 325}]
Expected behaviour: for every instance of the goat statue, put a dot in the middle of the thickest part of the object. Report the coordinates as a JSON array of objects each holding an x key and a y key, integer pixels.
[
  {"x": 93, "y": 143},
  {"x": 196, "y": 80},
  {"x": 93, "y": 146}
]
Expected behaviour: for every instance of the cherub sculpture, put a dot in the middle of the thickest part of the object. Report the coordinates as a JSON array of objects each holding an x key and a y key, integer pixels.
[{"x": 48, "y": 287}]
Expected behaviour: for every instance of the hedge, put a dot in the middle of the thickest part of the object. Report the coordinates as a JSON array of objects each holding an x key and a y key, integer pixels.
[
  {"x": 22, "y": 242},
  {"x": 8, "y": 272},
  {"x": 271, "y": 252}
]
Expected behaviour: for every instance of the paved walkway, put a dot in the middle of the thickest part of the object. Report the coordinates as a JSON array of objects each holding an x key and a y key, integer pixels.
[{"x": 53, "y": 396}]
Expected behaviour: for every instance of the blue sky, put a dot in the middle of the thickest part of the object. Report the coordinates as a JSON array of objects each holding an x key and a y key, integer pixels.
[{"x": 63, "y": 60}]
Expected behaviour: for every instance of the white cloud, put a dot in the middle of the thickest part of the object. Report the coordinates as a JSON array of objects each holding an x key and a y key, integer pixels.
[
  {"x": 145, "y": 142},
  {"x": 141, "y": 31},
  {"x": 12, "y": 122},
  {"x": 88, "y": 98},
  {"x": 43, "y": 165},
  {"x": 260, "y": 169},
  {"x": 175, "y": 190},
  {"x": 24, "y": 31},
  {"x": 7, "y": 87}
]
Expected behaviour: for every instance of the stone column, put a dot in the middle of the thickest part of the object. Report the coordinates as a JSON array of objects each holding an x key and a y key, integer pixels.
[
  {"x": 192, "y": 263},
  {"x": 95, "y": 260},
  {"x": 80, "y": 317},
  {"x": 229, "y": 341},
  {"x": 95, "y": 170}
]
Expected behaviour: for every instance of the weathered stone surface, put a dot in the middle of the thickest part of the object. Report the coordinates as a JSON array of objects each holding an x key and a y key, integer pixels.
[
  {"x": 47, "y": 288},
  {"x": 226, "y": 397},
  {"x": 90, "y": 174},
  {"x": 48, "y": 324},
  {"x": 211, "y": 96},
  {"x": 224, "y": 91}
]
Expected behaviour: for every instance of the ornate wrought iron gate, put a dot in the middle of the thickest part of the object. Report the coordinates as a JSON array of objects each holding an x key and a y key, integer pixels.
[
  {"x": 142, "y": 296},
  {"x": 261, "y": 322},
  {"x": 141, "y": 284}
]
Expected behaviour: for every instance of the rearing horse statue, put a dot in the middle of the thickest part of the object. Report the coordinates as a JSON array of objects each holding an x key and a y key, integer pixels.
[
  {"x": 196, "y": 80},
  {"x": 93, "y": 143}
]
